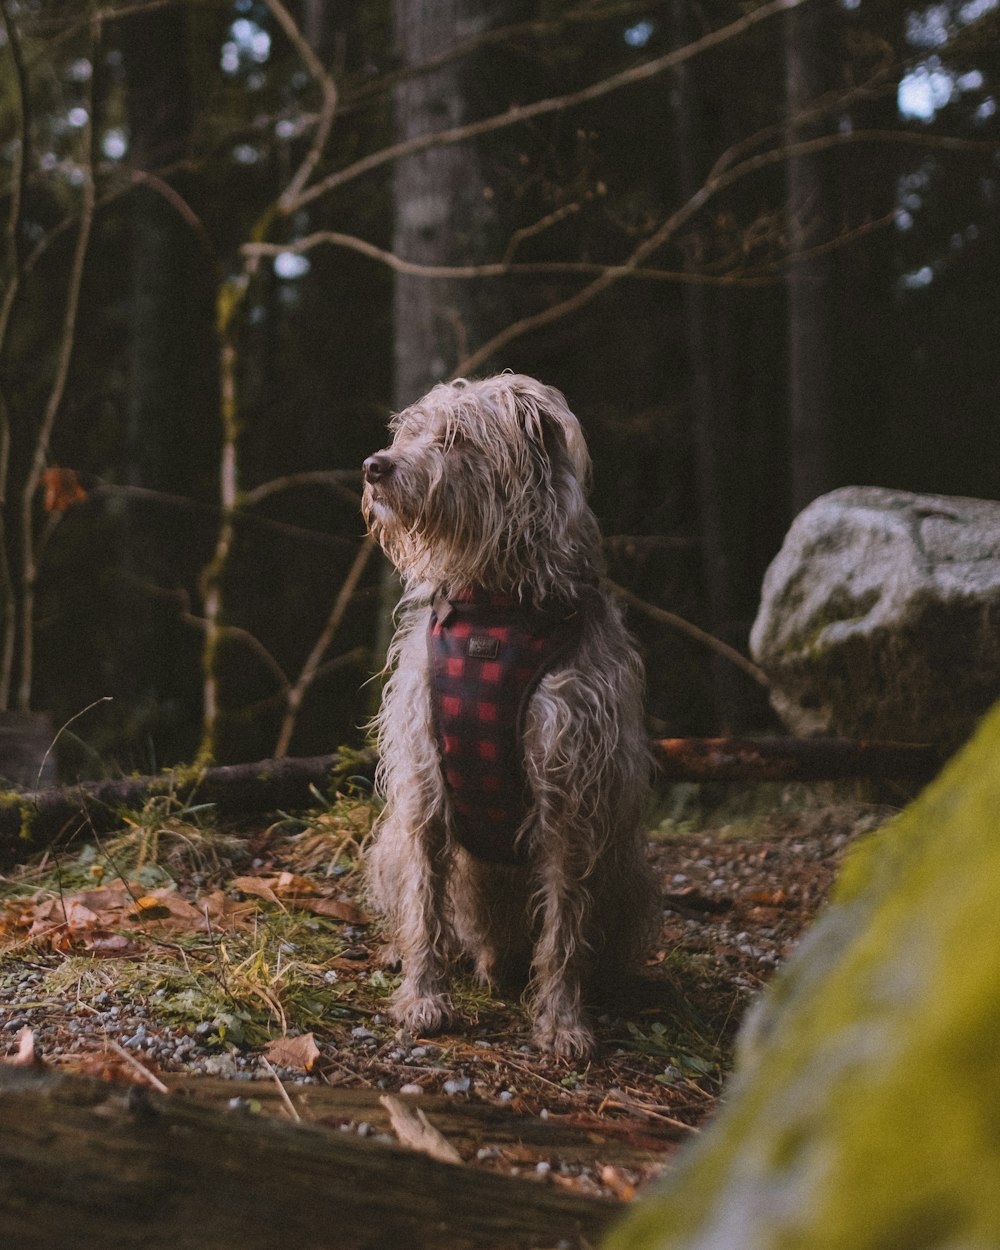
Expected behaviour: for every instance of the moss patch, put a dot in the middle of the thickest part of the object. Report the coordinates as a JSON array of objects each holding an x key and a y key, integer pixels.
[{"x": 866, "y": 1110}]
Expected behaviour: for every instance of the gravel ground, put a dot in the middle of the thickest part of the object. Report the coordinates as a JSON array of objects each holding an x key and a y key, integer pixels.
[{"x": 733, "y": 907}]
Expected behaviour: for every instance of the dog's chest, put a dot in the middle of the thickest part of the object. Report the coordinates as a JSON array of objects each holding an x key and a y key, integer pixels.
[{"x": 486, "y": 656}]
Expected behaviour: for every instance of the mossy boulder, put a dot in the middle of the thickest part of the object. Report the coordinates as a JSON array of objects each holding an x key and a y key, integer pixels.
[
  {"x": 865, "y": 1113},
  {"x": 880, "y": 616}
]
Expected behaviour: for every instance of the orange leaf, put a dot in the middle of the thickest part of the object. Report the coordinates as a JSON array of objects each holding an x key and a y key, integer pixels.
[
  {"x": 62, "y": 489},
  {"x": 299, "y": 1053},
  {"x": 335, "y": 908},
  {"x": 287, "y": 883},
  {"x": 256, "y": 886}
]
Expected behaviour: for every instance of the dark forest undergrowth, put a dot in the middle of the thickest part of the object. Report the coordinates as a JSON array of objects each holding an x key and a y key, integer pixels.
[{"x": 177, "y": 950}]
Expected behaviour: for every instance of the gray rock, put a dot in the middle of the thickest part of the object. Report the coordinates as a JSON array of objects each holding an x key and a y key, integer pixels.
[{"x": 880, "y": 616}]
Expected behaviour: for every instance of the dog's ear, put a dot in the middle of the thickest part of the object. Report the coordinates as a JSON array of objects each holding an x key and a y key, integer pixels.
[{"x": 548, "y": 422}]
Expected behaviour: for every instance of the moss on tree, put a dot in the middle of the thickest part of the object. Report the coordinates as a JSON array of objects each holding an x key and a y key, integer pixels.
[{"x": 866, "y": 1110}]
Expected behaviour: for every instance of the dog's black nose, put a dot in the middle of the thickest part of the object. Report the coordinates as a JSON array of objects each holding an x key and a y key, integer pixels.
[{"x": 377, "y": 467}]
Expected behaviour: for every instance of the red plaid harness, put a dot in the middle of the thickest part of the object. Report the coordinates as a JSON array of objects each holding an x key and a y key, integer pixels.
[{"x": 487, "y": 655}]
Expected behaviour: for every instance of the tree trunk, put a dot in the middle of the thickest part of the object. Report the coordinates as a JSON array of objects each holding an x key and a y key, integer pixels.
[
  {"x": 809, "y": 30},
  {"x": 170, "y": 350},
  {"x": 709, "y": 317},
  {"x": 445, "y": 209}
]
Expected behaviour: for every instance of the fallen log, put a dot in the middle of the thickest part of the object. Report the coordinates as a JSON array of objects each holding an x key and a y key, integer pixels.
[
  {"x": 89, "y": 1163},
  {"x": 584, "y": 1138},
  {"x": 32, "y": 820},
  {"x": 793, "y": 759}
]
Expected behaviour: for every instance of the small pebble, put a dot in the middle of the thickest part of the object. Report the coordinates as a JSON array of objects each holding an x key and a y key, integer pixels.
[
  {"x": 506, "y": 1096},
  {"x": 460, "y": 1085},
  {"x": 411, "y": 1088},
  {"x": 543, "y": 1167}
]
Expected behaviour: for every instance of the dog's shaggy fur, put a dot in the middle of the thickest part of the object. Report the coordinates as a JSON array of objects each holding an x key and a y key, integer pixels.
[{"x": 483, "y": 488}]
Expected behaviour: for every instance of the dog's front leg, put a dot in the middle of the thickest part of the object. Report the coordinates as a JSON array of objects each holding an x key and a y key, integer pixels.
[
  {"x": 409, "y": 869},
  {"x": 561, "y": 953}
]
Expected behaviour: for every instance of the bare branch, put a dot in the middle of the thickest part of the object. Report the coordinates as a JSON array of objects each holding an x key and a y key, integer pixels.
[
  {"x": 242, "y": 516},
  {"x": 328, "y": 108},
  {"x": 691, "y": 631},
  {"x": 539, "y": 227},
  {"x": 706, "y": 192},
  {"x": 336, "y": 478},
  {"x": 172, "y": 196},
  {"x": 305, "y": 679},
  {"x": 537, "y": 28},
  {"x": 233, "y": 632},
  {"x": 501, "y": 269},
  {"x": 520, "y": 113}
]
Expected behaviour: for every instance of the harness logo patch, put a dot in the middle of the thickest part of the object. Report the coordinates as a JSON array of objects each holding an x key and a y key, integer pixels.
[{"x": 483, "y": 648}]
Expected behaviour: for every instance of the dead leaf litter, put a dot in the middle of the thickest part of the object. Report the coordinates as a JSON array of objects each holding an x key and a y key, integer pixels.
[{"x": 192, "y": 954}]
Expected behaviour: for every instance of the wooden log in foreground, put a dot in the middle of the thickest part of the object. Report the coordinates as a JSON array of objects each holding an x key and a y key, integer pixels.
[
  {"x": 87, "y": 1163},
  {"x": 31, "y": 821}
]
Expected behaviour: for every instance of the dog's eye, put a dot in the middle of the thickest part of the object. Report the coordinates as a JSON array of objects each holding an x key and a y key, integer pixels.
[{"x": 451, "y": 440}]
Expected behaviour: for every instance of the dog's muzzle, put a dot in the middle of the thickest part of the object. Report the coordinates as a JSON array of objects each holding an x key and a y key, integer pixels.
[{"x": 378, "y": 467}]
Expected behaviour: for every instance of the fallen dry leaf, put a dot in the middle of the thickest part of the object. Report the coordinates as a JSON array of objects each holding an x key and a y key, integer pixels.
[
  {"x": 276, "y": 886},
  {"x": 288, "y": 889},
  {"x": 299, "y": 1052},
  {"x": 335, "y": 908},
  {"x": 413, "y": 1129}
]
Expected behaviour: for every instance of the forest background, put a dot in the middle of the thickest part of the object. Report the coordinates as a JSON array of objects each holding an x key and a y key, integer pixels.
[{"x": 754, "y": 244}]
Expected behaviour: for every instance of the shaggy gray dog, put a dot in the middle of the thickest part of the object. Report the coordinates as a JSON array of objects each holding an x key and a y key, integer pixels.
[{"x": 514, "y": 763}]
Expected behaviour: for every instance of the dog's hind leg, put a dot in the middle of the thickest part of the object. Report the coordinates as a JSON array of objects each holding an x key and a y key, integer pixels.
[{"x": 489, "y": 907}]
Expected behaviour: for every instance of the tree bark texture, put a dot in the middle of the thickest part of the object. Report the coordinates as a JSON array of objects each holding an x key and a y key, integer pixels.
[
  {"x": 88, "y": 1163},
  {"x": 445, "y": 205},
  {"x": 809, "y": 30}
]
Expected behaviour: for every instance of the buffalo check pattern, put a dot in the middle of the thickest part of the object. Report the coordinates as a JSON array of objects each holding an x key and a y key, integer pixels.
[{"x": 487, "y": 654}]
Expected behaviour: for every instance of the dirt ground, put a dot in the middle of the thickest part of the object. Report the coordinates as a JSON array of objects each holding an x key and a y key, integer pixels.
[{"x": 174, "y": 951}]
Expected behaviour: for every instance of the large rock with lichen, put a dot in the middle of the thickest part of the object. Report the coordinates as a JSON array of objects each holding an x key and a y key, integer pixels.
[
  {"x": 865, "y": 1114},
  {"x": 880, "y": 616}
]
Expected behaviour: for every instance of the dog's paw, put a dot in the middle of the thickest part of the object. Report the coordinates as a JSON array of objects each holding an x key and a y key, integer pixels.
[
  {"x": 573, "y": 1043},
  {"x": 423, "y": 1015},
  {"x": 390, "y": 958}
]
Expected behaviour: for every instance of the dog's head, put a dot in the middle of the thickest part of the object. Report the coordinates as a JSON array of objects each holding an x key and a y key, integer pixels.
[{"x": 484, "y": 484}]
